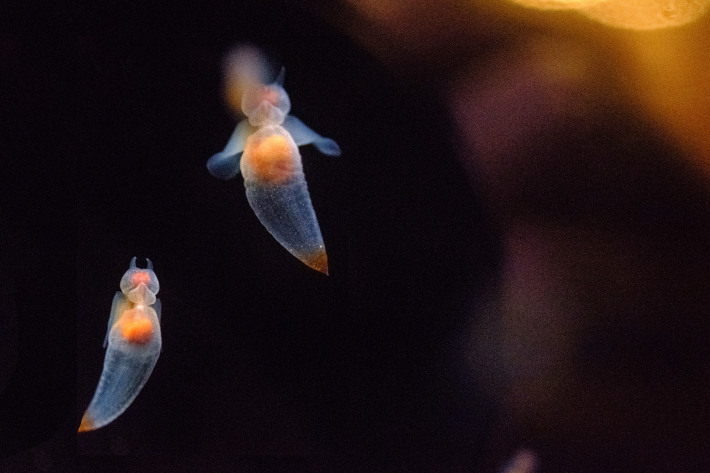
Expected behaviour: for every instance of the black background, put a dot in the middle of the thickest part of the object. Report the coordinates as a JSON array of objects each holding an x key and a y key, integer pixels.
[{"x": 110, "y": 112}]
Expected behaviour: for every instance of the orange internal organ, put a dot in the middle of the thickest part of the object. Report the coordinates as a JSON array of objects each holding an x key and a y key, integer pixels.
[
  {"x": 270, "y": 95},
  {"x": 233, "y": 95},
  {"x": 271, "y": 159},
  {"x": 136, "y": 327},
  {"x": 140, "y": 277}
]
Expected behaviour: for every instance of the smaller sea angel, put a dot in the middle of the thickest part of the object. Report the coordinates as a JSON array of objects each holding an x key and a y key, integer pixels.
[{"x": 133, "y": 343}]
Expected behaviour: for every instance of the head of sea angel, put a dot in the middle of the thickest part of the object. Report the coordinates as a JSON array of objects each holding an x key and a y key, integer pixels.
[
  {"x": 140, "y": 285},
  {"x": 266, "y": 104}
]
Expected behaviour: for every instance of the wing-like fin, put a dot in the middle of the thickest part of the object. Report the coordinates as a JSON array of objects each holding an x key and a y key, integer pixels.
[
  {"x": 119, "y": 304},
  {"x": 280, "y": 78},
  {"x": 157, "y": 307},
  {"x": 303, "y": 135},
  {"x": 225, "y": 164}
]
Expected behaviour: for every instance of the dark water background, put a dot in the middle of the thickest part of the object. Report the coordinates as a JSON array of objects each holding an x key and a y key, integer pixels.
[
  {"x": 109, "y": 114},
  {"x": 567, "y": 313}
]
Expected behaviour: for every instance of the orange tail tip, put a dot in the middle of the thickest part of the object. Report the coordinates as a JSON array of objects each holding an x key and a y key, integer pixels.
[
  {"x": 318, "y": 261},
  {"x": 86, "y": 424}
]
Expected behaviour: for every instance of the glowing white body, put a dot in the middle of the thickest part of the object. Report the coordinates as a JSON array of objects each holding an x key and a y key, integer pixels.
[
  {"x": 133, "y": 343},
  {"x": 264, "y": 147}
]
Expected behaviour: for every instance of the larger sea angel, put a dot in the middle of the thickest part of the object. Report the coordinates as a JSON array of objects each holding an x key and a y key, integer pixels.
[{"x": 264, "y": 147}]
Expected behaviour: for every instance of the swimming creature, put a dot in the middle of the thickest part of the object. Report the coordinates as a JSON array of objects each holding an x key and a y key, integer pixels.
[
  {"x": 133, "y": 344},
  {"x": 264, "y": 147}
]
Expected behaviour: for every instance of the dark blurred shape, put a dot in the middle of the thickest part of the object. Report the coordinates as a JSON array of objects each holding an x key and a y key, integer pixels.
[
  {"x": 593, "y": 162},
  {"x": 517, "y": 231}
]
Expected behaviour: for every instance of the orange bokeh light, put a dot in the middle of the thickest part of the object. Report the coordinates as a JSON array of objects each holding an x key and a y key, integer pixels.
[
  {"x": 629, "y": 14},
  {"x": 557, "y": 4}
]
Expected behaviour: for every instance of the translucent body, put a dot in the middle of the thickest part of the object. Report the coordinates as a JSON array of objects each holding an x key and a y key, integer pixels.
[
  {"x": 133, "y": 344},
  {"x": 264, "y": 147},
  {"x": 277, "y": 192}
]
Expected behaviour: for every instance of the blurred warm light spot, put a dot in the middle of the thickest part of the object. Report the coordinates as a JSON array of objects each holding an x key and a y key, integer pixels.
[
  {"x": 233, "y": 92},
  {"x": 664, "y": 68},
  {"x": 524, "y": 461},
  {"x": 244, "y": 69},
  {"x": 557, "y": 4},
  {"x": 629, "y": 14},
  {"x": 646, "y": 14},
  {"x": 670, "y": 74}
]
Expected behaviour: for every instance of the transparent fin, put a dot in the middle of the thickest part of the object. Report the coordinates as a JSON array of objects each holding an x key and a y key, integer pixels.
[
  {"x": 225, "y": 164},
  {"x": 303, "y": 135}
]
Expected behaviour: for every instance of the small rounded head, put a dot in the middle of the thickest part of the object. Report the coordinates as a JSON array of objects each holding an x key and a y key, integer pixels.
[
  {"x": 135, "y": 276},
  {"x": 266, "y": 105}
]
